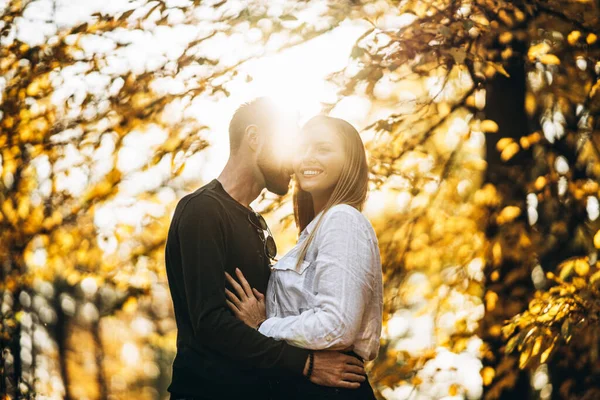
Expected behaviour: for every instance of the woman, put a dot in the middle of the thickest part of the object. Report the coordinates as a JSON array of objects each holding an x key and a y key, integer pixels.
[{"x": 326, "y": 293}]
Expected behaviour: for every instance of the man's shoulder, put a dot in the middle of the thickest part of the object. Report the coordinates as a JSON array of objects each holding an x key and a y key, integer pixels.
[{"x": 204, "y": 201}]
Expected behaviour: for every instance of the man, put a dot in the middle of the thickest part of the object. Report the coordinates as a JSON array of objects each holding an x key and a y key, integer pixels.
[{"x": 214, "y": 231}]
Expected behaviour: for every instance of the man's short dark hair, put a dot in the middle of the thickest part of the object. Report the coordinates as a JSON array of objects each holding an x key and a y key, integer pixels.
[{"x": 261, "y": 112}]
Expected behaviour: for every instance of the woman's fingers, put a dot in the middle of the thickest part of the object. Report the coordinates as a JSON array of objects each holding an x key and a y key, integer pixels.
[
  {"x": 233, "y": 298},
  {"x": 236, "y": 286},
  {"x": 244, "y": 282},
  {"x": 258, "y": 294}
]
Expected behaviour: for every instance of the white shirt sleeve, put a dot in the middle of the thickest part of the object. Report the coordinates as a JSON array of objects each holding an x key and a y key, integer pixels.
[{"x": 343, "y": 280}]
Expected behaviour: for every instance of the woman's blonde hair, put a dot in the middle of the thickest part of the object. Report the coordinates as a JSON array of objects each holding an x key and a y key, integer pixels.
[{"x": 350, "y": 189}]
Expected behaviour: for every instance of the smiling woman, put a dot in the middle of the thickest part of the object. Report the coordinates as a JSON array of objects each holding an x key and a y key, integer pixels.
[{"x": 330, "y": 169}]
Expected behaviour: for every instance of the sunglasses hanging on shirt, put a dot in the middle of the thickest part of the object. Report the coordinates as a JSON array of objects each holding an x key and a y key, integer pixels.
[{"x": 261, "y": 225}]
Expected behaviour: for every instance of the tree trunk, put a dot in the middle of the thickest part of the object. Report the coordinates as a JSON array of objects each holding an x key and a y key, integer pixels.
[
  {"x": 99, "y": 348},
  {"x": 505, "y": 104},
  {"x": 61, "y": 337}
]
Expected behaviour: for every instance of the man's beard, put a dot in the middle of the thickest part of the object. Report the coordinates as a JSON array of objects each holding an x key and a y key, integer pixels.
[{"x": 277, "y": 180}]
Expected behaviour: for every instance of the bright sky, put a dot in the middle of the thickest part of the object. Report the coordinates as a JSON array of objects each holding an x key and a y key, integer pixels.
[{"x": 295, "y": 78}]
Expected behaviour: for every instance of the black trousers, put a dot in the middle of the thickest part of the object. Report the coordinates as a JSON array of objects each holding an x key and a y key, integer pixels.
[
  {"x": 259, "y": 391},
  {"x": 297, "y": 388},
  {"x": 302, "y": 389}
]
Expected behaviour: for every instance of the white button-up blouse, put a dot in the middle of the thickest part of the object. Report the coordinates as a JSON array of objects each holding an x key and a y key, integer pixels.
[{"x": 335, "y": 300}]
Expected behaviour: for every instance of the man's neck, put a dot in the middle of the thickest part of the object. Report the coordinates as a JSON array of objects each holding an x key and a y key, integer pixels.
[{"x": 239, "y": 181}]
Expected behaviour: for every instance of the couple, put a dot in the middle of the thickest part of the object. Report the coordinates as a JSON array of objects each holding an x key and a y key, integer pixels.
[{"x": 303, "y": 327}]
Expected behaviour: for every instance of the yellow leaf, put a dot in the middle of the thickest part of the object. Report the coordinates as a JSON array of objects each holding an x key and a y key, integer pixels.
[
  {"x": 506, "y": 53},
  {"x": 8, "y": 209},
  {"x": 488, "y": 374},
  {"x": 548, "y": 351},
  {"x": 573, "y": 37},
  {"x": 497, "y": 253},
  {"x": 594, "y": 278},
  {"x": 577, "y": 264},
  {"x": 530, "y": 103},
  {"x": 479, "y": 19},
  {"x": 508, "y": 214},
  {"x": 500, "y": 68},
  {"x": 594, "y": 89},
  {"x": 502, "y": 143},
  {"x": 509, "y": 151},
  {"x": 540, "y": 183},
  {"x": 549, "y": 59},
  {"x": 171, "y": 144},
  {"x": 538, "y": 50},
  {"x": 495, "y": 276},
  {"x": 565, "y": 272},
  {"x": 23, "y": 207},
  {"x": 495, "y": 330},
  {"x": 505, "y": 37},
  {"x": 597, "y": 240},
  {"x": 582, "y": 267},
  {"x": 519, "y": 15},
  {"x": 508, "y": 330},
  {"x": 524, "y": 357},
  {"x": 537, "y": 345},
  {"x": 19, "y": 315},
  {"x": 130, "y": 305},
  {"x": 535, "y": 306},
  {"x": 490, "y": 300},
  {"x": 453, "y": 390},
  {"x": 590, "y": 187},
  {"x": 33, "y": 88},
  {"x": 488, "y": 126},
  {"x": 416, "y": 381}
]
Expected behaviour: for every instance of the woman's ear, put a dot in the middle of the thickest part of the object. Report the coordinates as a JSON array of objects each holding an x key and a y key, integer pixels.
[{"x": 252, "y": 136}]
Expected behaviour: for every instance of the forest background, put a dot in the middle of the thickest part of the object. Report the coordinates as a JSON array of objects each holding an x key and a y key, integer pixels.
[{"x": 481, "y": 122}]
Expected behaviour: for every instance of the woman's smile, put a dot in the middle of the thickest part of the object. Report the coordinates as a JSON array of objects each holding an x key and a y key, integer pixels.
[{"x": 311, "y": 172}]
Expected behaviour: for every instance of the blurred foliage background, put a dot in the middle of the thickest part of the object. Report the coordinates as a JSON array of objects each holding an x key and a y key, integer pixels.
[{"x": 481, "y": 122}]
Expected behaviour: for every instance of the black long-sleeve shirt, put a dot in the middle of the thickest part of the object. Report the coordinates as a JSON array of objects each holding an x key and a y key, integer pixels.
[{"x": 217, "y": 354}]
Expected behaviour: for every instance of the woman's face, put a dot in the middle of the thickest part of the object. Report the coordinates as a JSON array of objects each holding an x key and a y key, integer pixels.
[{"x": 319, "y": 160}]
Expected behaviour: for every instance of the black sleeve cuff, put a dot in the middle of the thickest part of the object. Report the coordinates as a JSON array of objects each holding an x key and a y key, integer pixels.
[{"x": 294, "y": 359}]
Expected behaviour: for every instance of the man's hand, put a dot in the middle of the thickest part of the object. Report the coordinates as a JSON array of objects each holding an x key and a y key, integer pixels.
[{"x": 335, "y": 369}]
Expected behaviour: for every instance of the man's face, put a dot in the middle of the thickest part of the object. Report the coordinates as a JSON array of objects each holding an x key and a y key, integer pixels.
[{"x": 273, "y": 158}]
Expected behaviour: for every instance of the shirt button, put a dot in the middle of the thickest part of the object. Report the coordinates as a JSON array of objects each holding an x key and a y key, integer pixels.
[{"x": 328, "y": 338}]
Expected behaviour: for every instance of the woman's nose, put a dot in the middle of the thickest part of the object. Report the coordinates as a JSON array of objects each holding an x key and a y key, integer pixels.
[{"x": 308, "y": 155}]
